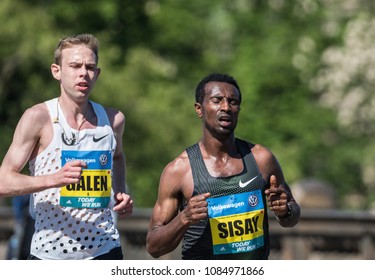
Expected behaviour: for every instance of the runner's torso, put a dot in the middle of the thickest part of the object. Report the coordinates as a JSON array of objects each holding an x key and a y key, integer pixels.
[
  {"x": 75, "y": 221},
  {"x": 237, "y": 227}
]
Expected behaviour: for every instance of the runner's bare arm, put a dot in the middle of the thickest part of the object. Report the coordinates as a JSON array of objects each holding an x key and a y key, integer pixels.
[
  {"x": 28, "y": 138},
  {"x": 279, "y": 196},
  {"x": 119, "y": 163},
  {"x": 123, "y": 202},
  {"x": 168, "y": 224}
]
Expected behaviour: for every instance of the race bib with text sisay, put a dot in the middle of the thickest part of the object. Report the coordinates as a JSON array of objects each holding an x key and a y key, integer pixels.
[{"x": 236, "y": 222}]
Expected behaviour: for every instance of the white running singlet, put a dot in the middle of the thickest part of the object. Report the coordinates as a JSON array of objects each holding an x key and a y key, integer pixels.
[{"x": 75, "y": 221}]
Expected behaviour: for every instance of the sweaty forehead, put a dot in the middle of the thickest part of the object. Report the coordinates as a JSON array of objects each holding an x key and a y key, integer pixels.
[
  {"x": 220, "y": 88},
  {"x": 81, "y": 54}
]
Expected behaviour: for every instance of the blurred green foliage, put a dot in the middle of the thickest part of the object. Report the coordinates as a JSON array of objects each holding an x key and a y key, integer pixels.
[{"x": 153, "y": 54}]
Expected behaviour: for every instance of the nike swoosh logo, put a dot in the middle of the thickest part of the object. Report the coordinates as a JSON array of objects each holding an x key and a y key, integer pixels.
[
  {"x": 98, "y": 139},
  {"x": 242, "y": 185}
]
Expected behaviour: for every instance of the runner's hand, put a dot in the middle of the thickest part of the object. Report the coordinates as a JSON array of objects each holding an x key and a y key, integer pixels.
[
  {"x": 277, "y": 197},
  {"x": 196, "y": 208}
]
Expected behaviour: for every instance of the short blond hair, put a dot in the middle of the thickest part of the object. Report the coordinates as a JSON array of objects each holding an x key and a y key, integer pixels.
[{"x": 88, "y": 40}]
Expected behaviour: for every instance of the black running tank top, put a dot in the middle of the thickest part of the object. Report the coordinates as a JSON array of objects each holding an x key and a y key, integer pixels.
[{"x": 237, "y": 226}]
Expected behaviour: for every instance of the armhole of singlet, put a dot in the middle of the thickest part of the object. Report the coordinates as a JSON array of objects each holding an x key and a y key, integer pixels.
[
  {"x": 244, "y": 147},
  {"x": 101, "y": 114},
  {"x": 51, "y": 107},
  {"x": 192, "y": 153}
]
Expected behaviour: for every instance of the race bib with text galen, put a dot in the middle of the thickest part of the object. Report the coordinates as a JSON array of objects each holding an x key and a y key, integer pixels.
[
  {"x": 236, "y": 222},
  {"x": 94, "y": 188}
]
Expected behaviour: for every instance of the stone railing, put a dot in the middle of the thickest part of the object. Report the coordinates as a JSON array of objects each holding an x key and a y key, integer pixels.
[{"x": 320, "y": 234}]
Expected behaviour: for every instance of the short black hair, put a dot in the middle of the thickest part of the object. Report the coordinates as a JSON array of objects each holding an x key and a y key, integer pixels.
[{"x": 214, "y": 77}]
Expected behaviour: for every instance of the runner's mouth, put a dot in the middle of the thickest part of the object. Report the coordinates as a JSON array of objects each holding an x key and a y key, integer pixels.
[
  {"x": 83, "y": 86},
  {"x": 225, "y": 120}
]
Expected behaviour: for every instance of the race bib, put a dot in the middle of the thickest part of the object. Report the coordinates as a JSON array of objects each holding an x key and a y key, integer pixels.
[
  {"x": 94, "y": 188},
  {"x": 236, "y": 222}
]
